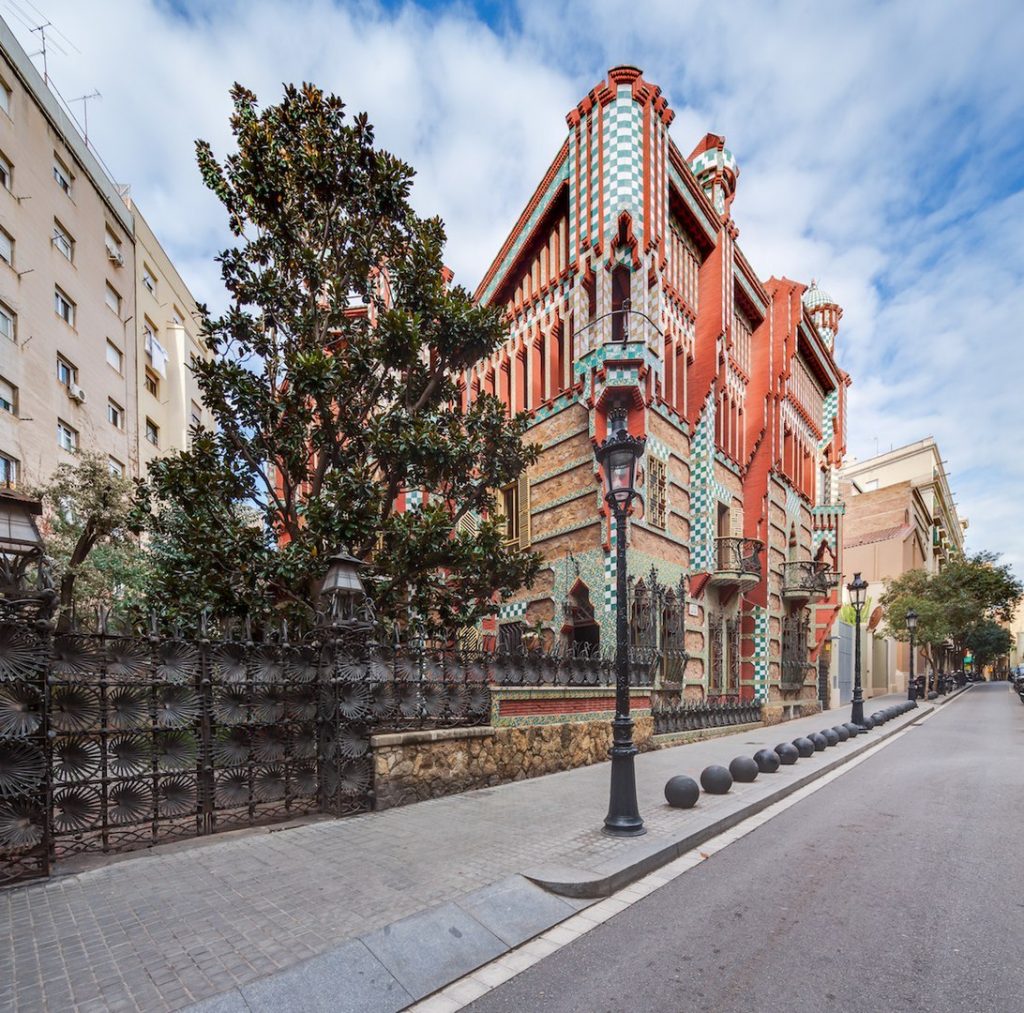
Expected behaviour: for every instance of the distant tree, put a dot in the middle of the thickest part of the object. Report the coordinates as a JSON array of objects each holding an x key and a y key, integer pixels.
[
  {"x": 915, "y": 590},
  {"x": 97, "y": 557},
  {"x": 334, "y": 389},
  {"x": 988, "y": 642}
]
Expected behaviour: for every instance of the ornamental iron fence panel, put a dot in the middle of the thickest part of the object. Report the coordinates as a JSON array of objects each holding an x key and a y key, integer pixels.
[
  {"x": 795, "y": 639},
  {"x": 691, "y": 717},
  {"x": 113, "y": 741},
  {"x": 657, "y": 627}
]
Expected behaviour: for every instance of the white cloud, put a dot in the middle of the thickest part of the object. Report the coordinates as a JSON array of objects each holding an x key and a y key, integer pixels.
[{"x": 879, "y": 147}]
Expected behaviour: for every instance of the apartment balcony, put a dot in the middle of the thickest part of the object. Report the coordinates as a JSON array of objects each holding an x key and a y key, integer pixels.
[
  {"x": 738, "y": 564},
  {"x": 807, "y": 581}
]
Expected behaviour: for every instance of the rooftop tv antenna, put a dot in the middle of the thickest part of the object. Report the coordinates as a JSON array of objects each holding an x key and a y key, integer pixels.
[{"x": 85, "y": 100}]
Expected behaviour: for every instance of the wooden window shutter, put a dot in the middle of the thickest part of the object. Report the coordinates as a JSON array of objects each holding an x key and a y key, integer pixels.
[{"x": 524, "y": 510}]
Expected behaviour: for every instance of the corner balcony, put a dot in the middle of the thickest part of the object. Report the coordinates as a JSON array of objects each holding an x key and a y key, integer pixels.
[
  {"x": 806, "y": 581},
  {"x": 737, "y": 564}
]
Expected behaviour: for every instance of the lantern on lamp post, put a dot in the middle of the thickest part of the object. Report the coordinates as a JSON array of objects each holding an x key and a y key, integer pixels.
[
  {"x": 618, "y": 456},
  {"x": 21, "y": 548},
  {"x": 342, "y": 590},
  {"x": 912, "y": 628}
]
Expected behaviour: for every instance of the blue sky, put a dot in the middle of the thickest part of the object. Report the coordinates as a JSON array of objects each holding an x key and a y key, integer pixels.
[{"x": 881, "y": 149}]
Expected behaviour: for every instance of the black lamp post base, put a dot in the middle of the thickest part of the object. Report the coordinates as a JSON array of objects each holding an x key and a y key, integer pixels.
[{"x": 623, "y": 819}]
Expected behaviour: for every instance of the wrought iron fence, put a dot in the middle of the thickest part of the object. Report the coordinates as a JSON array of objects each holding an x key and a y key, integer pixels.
[
  {"x": 795, "y": 664},
  {"x": 657, "y": 626},
  {"x": 112, "y": 741},
  {"x": 688, "y": 717}
]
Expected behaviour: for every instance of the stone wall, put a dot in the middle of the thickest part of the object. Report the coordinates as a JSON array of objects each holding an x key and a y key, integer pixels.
[{"x": 412, "y": 766}]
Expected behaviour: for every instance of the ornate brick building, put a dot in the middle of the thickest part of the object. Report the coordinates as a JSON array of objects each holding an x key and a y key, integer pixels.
[{"x": 625, "y": 284}]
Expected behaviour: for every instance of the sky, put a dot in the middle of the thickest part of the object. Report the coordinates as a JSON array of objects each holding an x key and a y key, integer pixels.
[{"x": 880, "y": 145}]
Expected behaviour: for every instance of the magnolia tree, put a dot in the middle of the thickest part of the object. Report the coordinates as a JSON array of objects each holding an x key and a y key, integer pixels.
[{"x": 334, "y": 388}]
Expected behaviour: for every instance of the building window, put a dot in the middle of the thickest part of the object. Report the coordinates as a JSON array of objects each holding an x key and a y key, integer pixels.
[
  {"x": 67, "y": 373},
  {"x": 5, "y": 97},
  {"x": 510, "y": 636},
  {"x": 197, "y": 415},
  {"x": 115, "y": 357},
  {"x": 113, "y": 299},
  {"x": 6, "y": 172},
  {"x": 7, "y": 323},
  {"x": 64, "y": 307},
  {"x": 8, "y": 472},
  {"x": 152, "y": 382},
  {"x": 62, "y": 175},
  {"x": 115, "y": 414},
  {"x": 115, "y": 467},
  {"x": 656, "y": 491},
  {"x": 510, "y": 512},
  {"x": 8, "y": 397},
  {"x": 6, "y": 247},
  {"x": 176, "y": 317},
  {"x": 67, "y": 436},
  {"x": 148, "y": 280},
  {"x": 63, "y": 241},
  {"x": 152, "y": 432}
]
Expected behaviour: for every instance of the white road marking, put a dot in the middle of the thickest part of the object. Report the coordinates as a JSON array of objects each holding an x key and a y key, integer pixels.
[{"x": 484, "y": 979}]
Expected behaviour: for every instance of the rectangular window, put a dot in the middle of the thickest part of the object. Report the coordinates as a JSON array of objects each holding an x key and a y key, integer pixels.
[
  {"x": 8, "y": 471},
  {"x": 115, "y": 357},
  {"x": 63, "y": 241},
  {"x": 64, "y": 307},
  {"x": 656, "y": 491},
  {"x": 115, "y": 414},
  {"x": 152, "y": 432},
  {"x": 510, "y": 512},
  {"x": 152, "y": 383},
  {"x": 7, "y": 328},
  {"x": 148, "y": 280},
  {"x": 115, "y": 467},
  {"x": 176, "y": 317},
  {"x": 113, "y": 299},
  {"x": 197, "y": 415},
  {"x": 8, "y": 397},
  {"x": 6, "y": 247},
  {"x": 62, "y": 175},
  {"x": 67, "y": 436},
  {"x": 67, "y": 373},
  {"x": 6, "y": 172},
  {"x": 5, "y": 97}
]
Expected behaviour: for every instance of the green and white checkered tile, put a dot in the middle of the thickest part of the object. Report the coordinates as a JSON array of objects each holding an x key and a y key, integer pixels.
[
  {"x": 760, "y": 652},
  {"x": 511, "y": 610}
]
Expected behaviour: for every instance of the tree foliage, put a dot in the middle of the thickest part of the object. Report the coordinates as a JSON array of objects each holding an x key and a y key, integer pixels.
[
  {"x": 334, "y": 390},
  {"x": 97, "y": 558},
  {"x": 957, "y": 606}
]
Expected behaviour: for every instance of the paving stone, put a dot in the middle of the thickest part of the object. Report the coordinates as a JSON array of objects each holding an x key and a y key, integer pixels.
[
  {"x": 515, "y": 909},
  {"x": 433, "y": 948}
]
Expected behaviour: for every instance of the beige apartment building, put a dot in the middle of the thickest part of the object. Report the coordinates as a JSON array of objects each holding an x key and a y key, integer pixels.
[
  {"x": 900, "y": 516},
  {"x": 96, "y": 326}
]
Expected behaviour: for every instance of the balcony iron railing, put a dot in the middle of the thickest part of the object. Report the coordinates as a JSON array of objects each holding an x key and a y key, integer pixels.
[
  {"x": 809, "y": 577},
  {"x": 739, "y": 555}
]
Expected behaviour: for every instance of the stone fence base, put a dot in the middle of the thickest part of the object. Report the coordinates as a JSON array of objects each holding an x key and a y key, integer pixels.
[{"x": 413, "y": 766}]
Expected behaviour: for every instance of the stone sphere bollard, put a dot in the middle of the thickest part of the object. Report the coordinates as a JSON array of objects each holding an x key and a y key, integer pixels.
[
  {"x": 716, "y": 780},
  {"x": 842, "y": 732},
  {"x": 869, "y": 723},
  {"x": 831, "y": 736},
  {"x": 787, "y": 753},
  {"x": 743, "y": 770},
  {"x": 767, "y": 761},
  {"x": 804, "y": 746},
  {"x": 681, "y": 792},
  {"x": 933, "y": 695},
  {"x": 879, "y": 718},
  {"x": 819, "y": 740},
  {"x": 853, "y": 729}
]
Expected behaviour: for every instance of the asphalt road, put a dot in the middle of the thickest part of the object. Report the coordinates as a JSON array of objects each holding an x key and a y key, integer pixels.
[{"x": 899, "y": 886}]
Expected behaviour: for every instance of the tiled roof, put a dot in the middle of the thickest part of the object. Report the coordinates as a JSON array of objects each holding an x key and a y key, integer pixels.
[{"x": 882, "y": 535}]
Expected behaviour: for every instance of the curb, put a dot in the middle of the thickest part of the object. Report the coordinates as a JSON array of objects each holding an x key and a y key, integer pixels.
[
  {"x": 387, "y": 970},
  {"x": 579, "y": 883}
]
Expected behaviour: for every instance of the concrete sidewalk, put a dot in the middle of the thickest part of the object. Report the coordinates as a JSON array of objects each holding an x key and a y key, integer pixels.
[{"x": 373, "y": 911}]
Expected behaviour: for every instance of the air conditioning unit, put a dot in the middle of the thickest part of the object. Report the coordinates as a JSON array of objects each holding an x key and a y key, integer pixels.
[
  {"x": 76, "y": 393},
  {"x": 115, "y": 256}
]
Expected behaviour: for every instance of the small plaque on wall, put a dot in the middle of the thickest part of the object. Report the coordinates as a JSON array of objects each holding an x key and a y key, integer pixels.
[{"x": 694, "y": 610}]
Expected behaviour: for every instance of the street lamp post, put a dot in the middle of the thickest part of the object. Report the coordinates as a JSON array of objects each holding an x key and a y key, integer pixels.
[
  {"x": 857, "y": 587},
  {"x": 618, "y": 456},
  {"x": 912, "y": 627}
]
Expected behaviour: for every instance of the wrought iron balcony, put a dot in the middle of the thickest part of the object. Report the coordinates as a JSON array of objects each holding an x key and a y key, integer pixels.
[
  {"x": 807, "y": 580},
  {"x": 737, "y": 563}
]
